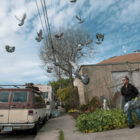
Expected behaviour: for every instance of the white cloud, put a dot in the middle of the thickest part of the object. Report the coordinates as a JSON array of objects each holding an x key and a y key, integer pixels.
[{"x": 24, "y": 64}]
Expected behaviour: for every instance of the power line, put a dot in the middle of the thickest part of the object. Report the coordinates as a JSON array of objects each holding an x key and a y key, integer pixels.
[
  {"x": 40, "y": 17},
  {"x": 47, "y": 25}
]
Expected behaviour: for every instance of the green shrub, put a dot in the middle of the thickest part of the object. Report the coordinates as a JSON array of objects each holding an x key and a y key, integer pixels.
[
  {"x": 69, "y": 99},
  {"x": 102, "y": 120}
]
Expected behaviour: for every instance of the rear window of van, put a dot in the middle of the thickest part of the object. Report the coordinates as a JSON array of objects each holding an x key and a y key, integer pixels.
[
  {"x": 20, "y": 96},
  {"x": 4, "y": 96}
]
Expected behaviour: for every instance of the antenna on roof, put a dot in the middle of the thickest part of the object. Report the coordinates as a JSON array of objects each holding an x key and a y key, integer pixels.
[{"x": 124, "y": 49}]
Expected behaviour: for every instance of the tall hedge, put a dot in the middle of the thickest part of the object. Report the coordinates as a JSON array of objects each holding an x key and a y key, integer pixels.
[{"x": 69, "y": 98}]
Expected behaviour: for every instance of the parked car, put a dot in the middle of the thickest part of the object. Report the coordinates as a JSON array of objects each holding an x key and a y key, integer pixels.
[{"x": 21, "y": 108}]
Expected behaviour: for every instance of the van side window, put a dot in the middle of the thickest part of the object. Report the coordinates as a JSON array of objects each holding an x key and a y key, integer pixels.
[
  {"x": 4, "y": 96},
  {"x": 38, "y": 98},
  {"x": 45, "y": 94},
  {"x": 20, "y": 96}
]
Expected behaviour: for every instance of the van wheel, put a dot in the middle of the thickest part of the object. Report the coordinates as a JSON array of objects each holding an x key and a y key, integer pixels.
[
  {"x": 36, "y": 128},
  {"x": 45, "y": 120},
  {"x": 50, "y": 116}
]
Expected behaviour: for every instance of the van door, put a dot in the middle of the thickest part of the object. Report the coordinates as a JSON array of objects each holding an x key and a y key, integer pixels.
[
  {"x": 4, "y": 106},
  {"x": 18, "y": 108}
]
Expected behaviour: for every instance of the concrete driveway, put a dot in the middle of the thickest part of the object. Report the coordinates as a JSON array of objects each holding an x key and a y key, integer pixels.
[{"x": 50, "y": 131}]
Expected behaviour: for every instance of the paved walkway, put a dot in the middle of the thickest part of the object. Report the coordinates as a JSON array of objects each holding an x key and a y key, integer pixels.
[{"x": 50, "y": 131}]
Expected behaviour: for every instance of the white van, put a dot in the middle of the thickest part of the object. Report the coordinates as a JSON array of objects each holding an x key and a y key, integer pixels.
[{"x": 21, "y": 108}]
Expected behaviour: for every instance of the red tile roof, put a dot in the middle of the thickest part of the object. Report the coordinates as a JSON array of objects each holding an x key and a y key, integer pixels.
[{"x": 134, "y": 57}]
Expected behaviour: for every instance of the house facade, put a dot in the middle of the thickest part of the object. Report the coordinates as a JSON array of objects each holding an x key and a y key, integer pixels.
[{"x": 106, "y": 78}]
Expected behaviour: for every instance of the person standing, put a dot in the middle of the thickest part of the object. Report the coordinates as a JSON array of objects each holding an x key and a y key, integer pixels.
[{"x": 130, "y": 92}]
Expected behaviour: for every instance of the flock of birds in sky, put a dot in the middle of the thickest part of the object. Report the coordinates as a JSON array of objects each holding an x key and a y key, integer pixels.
[
  {"x": 39, "y": 37},
  {"x": 84, "y": 78}
]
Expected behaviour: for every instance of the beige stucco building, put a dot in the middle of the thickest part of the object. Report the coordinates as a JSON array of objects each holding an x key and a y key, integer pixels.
[{"x": 105, "y": 78}]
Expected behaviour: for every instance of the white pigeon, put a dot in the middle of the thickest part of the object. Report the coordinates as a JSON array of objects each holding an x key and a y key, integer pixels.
[{"x": 21, "y": 20}]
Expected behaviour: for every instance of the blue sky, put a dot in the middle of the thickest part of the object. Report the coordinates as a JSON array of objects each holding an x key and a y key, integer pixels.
[{"x": 118, "y": 20}]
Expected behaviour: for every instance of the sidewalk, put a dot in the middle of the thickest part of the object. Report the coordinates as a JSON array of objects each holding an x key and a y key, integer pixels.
[{"x": 50, "y": 131}]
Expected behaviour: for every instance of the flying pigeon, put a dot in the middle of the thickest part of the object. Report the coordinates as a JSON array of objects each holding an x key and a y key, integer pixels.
[
  {"x": 9, "y": 48},
  {"x": 84, "y": 78},
  {"x": 49, "y": 70},
  {"x": 72, "y": 0},
  {"x": 58, "y": 36},
  {"x": 100, "y": 36},
  {"x": 22, "y": 20},
  {"x": 39, "y": 36},
  {"x": 79, "y": 19}
]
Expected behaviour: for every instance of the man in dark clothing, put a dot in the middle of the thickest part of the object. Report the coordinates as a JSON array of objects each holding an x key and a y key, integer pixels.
[{"x": 130, "y": 92}]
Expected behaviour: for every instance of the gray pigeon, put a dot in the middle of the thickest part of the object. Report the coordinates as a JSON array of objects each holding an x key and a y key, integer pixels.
[
  {"x": 59, "y": 36},
  {"x": 84, "y": 78},
  {"x": 49, "y": 70},
  {"x": 100, "y": 37},
  {"x": 9, "y": 48},
  {"x": 79, "y": 19},
  {"x": 39, "y": 36},
  {"x": 73, "y": 1},
  {"x": 22, "y": 20}
]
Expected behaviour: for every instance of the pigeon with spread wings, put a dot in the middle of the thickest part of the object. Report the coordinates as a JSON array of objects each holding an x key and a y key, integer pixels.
[
  {"x": 49, "y": 70},
  {"x": 39, "y": 36},
  {"x": 59, "y": 36},
  {"x": 100, "y": 38},
  {"x": 84, "y": 78},
  {"x": 79, "y": 19},
  {"x": 21, "y": 20},
  {"x": 73, "y": 1},
  {"x": 9, "y": 48}
]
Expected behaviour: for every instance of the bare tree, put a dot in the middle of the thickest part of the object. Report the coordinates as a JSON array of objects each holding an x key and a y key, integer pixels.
[{"x": 66, "y": 45}]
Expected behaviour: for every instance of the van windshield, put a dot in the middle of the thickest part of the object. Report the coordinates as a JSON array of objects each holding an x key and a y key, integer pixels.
[
  {"x": 20, "y": 96},
  {"x": 4, "y": 96}
]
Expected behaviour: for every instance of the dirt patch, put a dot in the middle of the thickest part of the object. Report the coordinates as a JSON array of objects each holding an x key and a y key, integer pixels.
[{"x": 75, "y": 115}]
